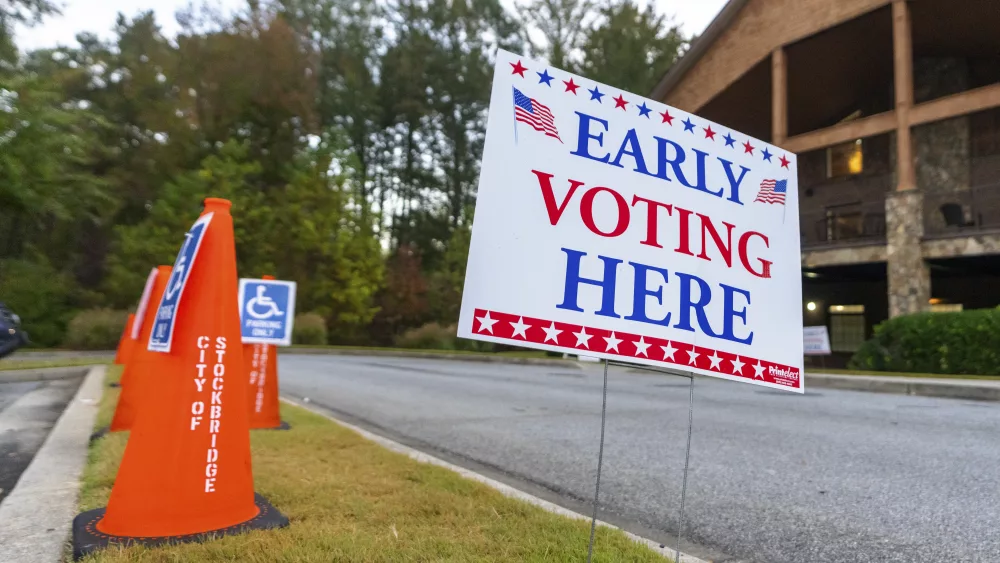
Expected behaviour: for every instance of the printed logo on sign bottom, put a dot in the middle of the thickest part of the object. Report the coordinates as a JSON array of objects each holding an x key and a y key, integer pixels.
[{"x": 162, "y": 333}]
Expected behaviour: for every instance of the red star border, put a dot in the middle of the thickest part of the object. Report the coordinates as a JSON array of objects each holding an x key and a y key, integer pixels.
[{"x": 648, "y": 349}]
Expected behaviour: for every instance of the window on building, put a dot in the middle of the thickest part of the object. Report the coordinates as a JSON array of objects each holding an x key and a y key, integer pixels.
[
  {"x": 946, "y": 307},
  {"x": 845, "y": 160},
  {"x": 847, "y": 327}
]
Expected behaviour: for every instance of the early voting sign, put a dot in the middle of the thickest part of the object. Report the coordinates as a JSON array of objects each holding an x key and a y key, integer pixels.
[
  {"x": 267, "y": 311},
  {"x": 614, "y": 226},
  {"x": 162, "y": 333}
]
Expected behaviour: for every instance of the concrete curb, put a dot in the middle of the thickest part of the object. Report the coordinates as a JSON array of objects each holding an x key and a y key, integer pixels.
[
  {"x": 503, "y": 488},
  {"x": 35, "y": 518},
  {"x": 431, "y": 356},
  {"x": 42, "y": 374},
  {"x": 966, "y": 389}
]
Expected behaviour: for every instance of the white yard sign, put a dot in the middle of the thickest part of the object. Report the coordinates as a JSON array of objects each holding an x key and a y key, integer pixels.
[{"x": 614, "y": 226}]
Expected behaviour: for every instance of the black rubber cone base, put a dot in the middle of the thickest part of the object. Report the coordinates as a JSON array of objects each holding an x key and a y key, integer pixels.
[
  {"x": 87, "y": 538},
  {"x": 283, "y": 426},
  {"x": 99, "y": 434}
]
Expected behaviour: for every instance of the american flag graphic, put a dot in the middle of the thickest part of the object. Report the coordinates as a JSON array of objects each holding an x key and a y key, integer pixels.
[
  {"x": 535, "y": 114},
  {"x": 772, "y": 191}
]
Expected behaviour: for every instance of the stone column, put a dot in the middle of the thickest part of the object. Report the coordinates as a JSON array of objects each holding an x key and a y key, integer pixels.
[{"x": 909, "y": 274}]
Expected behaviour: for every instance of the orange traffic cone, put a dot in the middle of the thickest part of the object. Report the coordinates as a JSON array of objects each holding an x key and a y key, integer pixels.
[
  {"x": 186, "y": 473},
  {"x": 261, "y": 362},
  {"x": 125, "y": 342},
  {"x": 141, "y": 362}
]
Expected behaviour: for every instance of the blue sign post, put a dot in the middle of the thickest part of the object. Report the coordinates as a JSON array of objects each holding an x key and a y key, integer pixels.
[
  {"x": 267, "y": 311},
  {"x": 162, "y": 333}
]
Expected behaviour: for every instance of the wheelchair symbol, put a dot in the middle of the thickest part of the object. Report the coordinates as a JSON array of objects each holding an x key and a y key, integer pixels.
[{"x": 261, "y": 300}]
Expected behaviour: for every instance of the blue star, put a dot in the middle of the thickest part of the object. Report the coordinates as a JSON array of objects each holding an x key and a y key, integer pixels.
[
  {"x": 596, "y": 94},
  {"x": 767, "y": 155},
  {"x": 543, "y": 77},
  {"x": 730, "y": 141},
  {"x": 644, "y": 111},
  {"x": 688, "y": 126}
]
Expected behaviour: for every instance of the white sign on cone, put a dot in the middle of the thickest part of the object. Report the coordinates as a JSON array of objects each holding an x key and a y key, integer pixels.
[{"x": 614, "y": 226}]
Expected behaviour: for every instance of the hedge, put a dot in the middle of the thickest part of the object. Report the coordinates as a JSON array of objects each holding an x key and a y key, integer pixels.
[
  {"x": 966, "y": 343},
  {"x": 433, "y": 336},
  {"x": 95, "y": 329},
  {"x": 309, "y": 328}
]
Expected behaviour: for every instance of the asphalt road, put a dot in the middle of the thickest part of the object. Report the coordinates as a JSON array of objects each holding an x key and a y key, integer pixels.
[
  {"x": 832, "y": 476},
  {"x": 28, "y": 410}
]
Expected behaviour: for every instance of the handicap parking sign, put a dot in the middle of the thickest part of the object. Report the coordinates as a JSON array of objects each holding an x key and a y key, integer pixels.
[
  {"x": 267, "y": 311},
  {"x": 162, "y": 333}
]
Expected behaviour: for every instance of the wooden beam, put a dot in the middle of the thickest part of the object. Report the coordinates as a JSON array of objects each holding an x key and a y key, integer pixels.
[
  {"x": 955, "y": 105},
  {"x": 902, "y": 50},
  {"x": 842, "y": 133},
  {"x": 779, "y": 96}
]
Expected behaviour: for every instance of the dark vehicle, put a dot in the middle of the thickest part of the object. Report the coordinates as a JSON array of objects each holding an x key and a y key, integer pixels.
[{"x": 12, "y": 336}]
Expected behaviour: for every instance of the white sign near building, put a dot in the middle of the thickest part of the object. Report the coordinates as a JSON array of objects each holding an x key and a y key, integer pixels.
[
  {"x": 816, "y": 341},
  {"x": 615, "y": 226}
]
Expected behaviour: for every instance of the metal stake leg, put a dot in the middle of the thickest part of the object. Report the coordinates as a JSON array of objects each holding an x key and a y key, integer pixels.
[
  {"x": 684, "y": 482},
  {"x": 600, "y": 461}
]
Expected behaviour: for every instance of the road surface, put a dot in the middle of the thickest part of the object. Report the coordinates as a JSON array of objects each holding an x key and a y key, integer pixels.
[
  {"x": 832, "y": 476},
  {"x": 28, "y": 410}
]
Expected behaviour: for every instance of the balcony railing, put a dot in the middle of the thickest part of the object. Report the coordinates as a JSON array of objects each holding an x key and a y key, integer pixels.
[
  {"x": 962, "y": 211},
  {"x": 844, "y": 224}
]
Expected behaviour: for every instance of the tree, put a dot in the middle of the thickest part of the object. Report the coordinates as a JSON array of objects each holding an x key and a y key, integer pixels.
[
  {"x": 12, "y": 12},
  {"x": 157, "y": 238},
  {"x": 561, "y": 24},
  {"x": 631, "y": 48},
  {"x": 321, "y": 239}
]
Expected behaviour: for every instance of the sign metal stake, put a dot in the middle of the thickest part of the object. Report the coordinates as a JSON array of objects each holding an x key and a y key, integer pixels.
[
  {"x": 600, "y": 460},
  {"x": 687, "y": 449},
  {"x": 684, "y": 481}
]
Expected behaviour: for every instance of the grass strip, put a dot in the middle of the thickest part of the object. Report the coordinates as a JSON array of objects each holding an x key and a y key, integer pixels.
[
  {"x": 9, "y": 365},
  {"x": 351, "y": 500}
]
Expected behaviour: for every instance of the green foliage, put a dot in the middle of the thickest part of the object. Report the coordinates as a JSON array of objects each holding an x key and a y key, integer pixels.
[
  {"x": 40, "y": 295},
  {"x": 347, "y": 135},
  {"x": 309, "y": 328},
  {"x": 966, "y": 342},
  {"x": 157, "y": 239},
  {"x": 95, "y": 329}
]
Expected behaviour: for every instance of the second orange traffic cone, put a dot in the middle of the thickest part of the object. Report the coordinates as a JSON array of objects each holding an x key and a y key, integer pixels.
[
  {"x": 142, "y": 361},
  {"x": 125, "y": 342}
]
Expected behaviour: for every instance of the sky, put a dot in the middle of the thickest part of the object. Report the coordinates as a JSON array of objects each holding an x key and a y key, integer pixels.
[{"x": 98, "y": 16}]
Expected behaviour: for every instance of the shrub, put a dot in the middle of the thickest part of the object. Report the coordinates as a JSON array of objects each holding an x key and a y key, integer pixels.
[
  {"x": 309, "y": 328},
  {"x": 95, "y": 329},
  {"x": 40, "y": 295},
  {"x": 433, "y": 336},
  {"x": 966, "y": 342},
  {"x": 430, "y": 336}
]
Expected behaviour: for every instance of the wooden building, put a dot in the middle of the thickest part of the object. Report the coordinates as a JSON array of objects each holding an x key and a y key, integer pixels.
[{"x": 893, "y": 107}]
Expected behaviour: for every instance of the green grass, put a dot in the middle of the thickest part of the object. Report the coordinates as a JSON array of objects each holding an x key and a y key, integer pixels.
[
  {"x": 42, "y": 364},
  {"x": 349, "y": 499},
  {"x": 511, "y": 354},
  {"x": 899, "y": 374}
]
